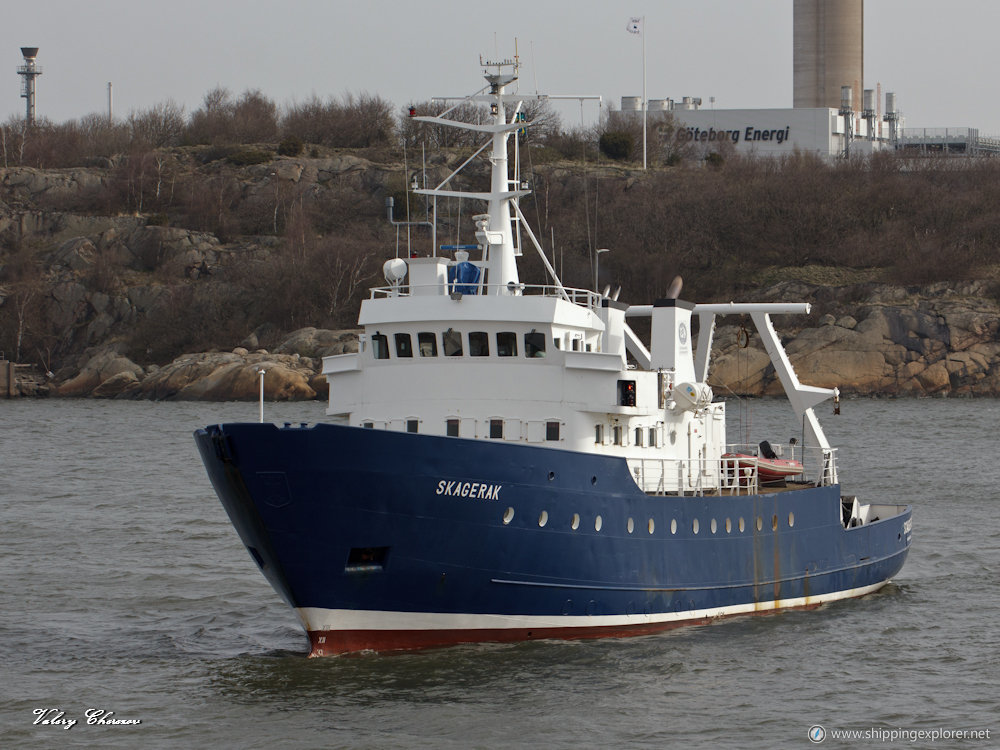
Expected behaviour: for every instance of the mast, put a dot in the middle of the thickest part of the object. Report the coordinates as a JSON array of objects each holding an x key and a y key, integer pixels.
[{"x": 501, "y": 264}]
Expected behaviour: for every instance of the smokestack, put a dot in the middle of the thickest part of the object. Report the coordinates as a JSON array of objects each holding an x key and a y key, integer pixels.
[{"x": 828, "y": 51}]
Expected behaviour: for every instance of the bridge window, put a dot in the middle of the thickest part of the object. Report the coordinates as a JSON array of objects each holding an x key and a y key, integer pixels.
[
  {"x": 404, "y": 347},
  {"x": 427, "y": 343},
  {"x": 534, "y": 344},
  {"x": 506, "y": 344},
  {"x": 451, "y": 427},
  {"x": 479, "y": 344},
  {"x": 451, "y": 340},
  {"x": 380, "y": 346}
]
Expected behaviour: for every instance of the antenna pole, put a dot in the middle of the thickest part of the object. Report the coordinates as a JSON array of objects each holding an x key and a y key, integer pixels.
[{"x": 644, "y": 105}]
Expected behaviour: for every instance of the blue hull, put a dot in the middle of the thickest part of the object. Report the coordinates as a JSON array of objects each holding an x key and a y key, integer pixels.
[{"x": 360, "y": 521}]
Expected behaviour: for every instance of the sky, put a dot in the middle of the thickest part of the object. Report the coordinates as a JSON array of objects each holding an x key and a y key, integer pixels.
[{"x": 937, "y": 57}]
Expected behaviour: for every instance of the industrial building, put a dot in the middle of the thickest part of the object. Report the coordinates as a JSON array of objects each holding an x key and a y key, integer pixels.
[{"x": 832, "y": 114}]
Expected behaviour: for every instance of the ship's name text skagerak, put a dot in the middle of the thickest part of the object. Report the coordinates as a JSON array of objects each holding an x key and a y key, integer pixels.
[{"x": 479, "y": 490}]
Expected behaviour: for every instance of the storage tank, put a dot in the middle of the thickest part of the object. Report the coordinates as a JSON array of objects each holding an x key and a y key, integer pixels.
[
  {"x": 827, "y": 51},
  {"x": 631, "y": 104}
]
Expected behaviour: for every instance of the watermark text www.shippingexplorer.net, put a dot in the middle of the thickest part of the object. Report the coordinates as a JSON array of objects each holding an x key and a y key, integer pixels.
[{"x": 819, "y": 733}]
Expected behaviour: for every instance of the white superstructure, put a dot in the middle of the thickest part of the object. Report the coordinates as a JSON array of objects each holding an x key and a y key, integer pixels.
[{"x": 461, "y": 347}]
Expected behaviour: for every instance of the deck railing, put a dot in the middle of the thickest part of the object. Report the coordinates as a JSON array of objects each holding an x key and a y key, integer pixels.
[
  {"x": 662, "y": 476},
  {"x": 584, "y": 297}
]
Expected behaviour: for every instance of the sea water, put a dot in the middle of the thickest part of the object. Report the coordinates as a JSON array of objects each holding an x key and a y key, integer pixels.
[{"x": 132, "y": 616}]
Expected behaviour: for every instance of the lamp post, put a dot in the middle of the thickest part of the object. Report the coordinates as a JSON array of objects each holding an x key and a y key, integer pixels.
[
  {"x": 261, "y": 372},
  {"x": 597, "y": 257}
]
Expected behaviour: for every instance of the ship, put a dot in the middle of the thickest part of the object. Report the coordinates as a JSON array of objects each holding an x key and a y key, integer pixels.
[{"x": 503, "y": 461}]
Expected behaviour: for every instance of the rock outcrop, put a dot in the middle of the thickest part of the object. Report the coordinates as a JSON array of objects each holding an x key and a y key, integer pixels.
[
  {"x": 292, "y": 373},
  {"x": 938, "y": 340}
]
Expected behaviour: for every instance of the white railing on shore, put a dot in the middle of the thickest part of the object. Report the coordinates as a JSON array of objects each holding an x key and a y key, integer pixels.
[
  {"x": 584, "y": 297},
  {"x": 663, "y": 476}
]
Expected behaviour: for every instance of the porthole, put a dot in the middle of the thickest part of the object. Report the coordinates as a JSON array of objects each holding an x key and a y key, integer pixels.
[
  {"x": 575, "y": 523},
  {"x": 543, "y": 518},
  {"x": 673, "y": 525},
  {"x": 715, "y": 526},
  {"x": 791, "y": 519},
  {"x": 598, "y": 523},
  {"x": 593, "y": 480},
  {"x": 774, "y": 522},
  {"x": 651, "y": 526},
  {"x": 552, "y": 475},
  {"x": 760, "y": 523},
  {"x": 729, "y": 526},
  {"x": 694, "y": 526},
  {"x": 743, "y": 525},
  {"x": 630, "y": 526},
  {"x": 508, "y": 516}
]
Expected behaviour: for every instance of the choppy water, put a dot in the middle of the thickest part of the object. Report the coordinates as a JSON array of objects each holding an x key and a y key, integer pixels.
[{"x": 123, "y": 588}]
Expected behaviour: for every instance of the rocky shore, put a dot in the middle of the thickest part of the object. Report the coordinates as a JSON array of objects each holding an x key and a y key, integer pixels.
[
  {"x": 887, "y": 341},
  {"x": 292, "y": 372}
]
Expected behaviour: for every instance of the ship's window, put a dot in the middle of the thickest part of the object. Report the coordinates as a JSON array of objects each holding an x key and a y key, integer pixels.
[
  {"x": 479, "y": 344},
  {"x": 626, "y": 393},
  {"x": 506, "y": 344},
  {"x": 451, "y": 340},
  {"x": 404, "y": 347},
  {"x": 575, "y": 523},
  {"x": 638, "y": 436},
  {"x": 543, "y": 518},
  {"x": 673, "y": 525},
  {"x": 534, "y": 344},
  {"x": 743, "y": 525},
  {"x": 551, "y": 430},
  {"x": 791, "y": 519},
  {"x": 695, "y": 525},
  {"x": 598, "y": 433},
  {"x": 652, "y": 437},
  {"x": 630, "y": 526},
  {"x": 576, "y": 345},
  {"x": 598, "y": 523},
  {"x": 411, "y": 425},
  {"x": 616, "y": 433},
  {"x": 380, "y": 346},
  {"x": 451, "y": 427},
  {"x": 557, "y": 342},
  {"x": 760, "y": 523},
  {"x": 427, "y": 342},
  {"x": 508, "y": 516},
  {"x": 496, "y": 428},
  {"x": 651, "y": 526},
  {"x": 774, "y": 523},
  {"x": 589, "y": 347},
  {"x": 368, "y": 425},
  {"x": 729, "y": 526},
  {"x": 715, "y": 526}
]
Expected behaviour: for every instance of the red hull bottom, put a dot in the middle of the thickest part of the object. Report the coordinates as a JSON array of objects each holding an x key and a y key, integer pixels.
[{"x": 341, "y": 642}]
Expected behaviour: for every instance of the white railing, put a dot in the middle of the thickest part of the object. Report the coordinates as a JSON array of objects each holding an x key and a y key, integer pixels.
[
  {"x": 662, "y": 476},
  {"x": 584, "y": 297}
]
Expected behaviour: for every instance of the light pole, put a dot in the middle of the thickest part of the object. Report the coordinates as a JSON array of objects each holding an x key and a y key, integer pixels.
[
  {"x": 261, "y": 372},
  {"x": 597, "y": 257}
]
